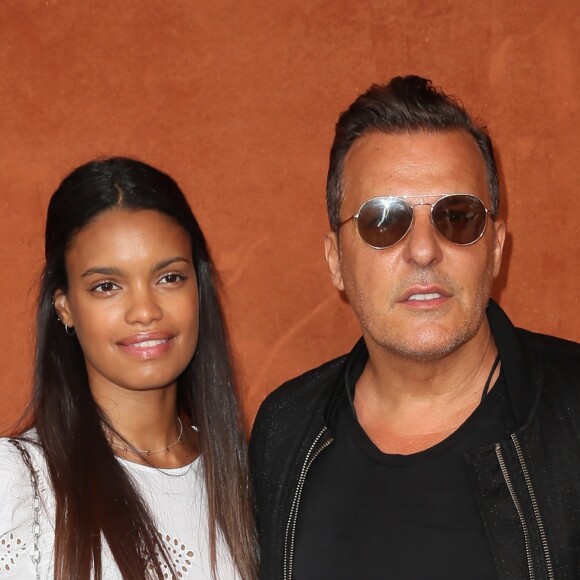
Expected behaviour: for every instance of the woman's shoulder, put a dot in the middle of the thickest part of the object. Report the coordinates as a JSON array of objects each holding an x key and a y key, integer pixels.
[
  {"x": 14, "y": 468},
  {"x": 16, "y": 509},
  {"x": 21, "y": 461},
  {"x": 14, "y": 450},
  {"x": 11, "y": 461}
]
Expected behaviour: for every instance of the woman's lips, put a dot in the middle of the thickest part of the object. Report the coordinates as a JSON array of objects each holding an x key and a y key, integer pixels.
[{"x": 146, "y": 346}]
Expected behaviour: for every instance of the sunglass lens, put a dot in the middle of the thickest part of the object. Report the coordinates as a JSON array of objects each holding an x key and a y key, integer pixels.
[
  {"x": 384, "y": 221},
  {"x": 459, "y": 218}
]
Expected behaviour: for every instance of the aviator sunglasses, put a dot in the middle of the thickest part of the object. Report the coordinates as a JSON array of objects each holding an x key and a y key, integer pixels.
[{"x": 384, "y": 221}]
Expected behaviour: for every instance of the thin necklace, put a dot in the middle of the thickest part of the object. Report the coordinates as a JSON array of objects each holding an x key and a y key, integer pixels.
[{"x": 149, "y": 451}]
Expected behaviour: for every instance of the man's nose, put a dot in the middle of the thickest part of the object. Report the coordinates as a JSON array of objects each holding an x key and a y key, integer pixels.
[{"x": 422, "y": 243}]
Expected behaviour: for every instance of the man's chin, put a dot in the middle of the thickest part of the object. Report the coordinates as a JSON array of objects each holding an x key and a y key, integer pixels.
[{"x": 427, "y": 345}]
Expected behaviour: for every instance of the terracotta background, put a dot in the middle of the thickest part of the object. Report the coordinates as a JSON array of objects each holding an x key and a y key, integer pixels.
[{"x": 238, "y": 100}]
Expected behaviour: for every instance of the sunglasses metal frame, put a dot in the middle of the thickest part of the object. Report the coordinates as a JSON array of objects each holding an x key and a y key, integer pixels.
[{"x": 404, "y": 199}]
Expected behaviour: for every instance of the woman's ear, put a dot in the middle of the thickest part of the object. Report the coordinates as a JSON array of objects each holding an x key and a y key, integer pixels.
[{"x": 61, "y": 306}]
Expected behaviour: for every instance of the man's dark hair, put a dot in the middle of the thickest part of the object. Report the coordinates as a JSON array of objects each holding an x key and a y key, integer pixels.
[{"x": 405, "y": 105}]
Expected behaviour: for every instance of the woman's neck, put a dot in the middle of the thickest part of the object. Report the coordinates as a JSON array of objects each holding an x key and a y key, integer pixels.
[{"x": 144, "y": 426}]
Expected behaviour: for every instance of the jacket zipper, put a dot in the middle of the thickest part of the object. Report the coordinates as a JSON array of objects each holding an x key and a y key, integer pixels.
[
  {"x": 518, "y": 507},
  {"x": 312, "y": 454},
  {"x": 535, "y": 507}
]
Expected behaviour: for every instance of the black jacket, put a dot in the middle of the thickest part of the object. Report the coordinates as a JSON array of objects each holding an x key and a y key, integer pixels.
[{"x": 527, "y": 486}]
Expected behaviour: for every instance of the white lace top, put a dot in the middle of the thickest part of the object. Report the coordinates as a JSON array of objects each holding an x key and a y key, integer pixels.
[{"x": 176, "y": 498}]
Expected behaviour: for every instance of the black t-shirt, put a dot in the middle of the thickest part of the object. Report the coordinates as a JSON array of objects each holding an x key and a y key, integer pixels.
[{"x": 367, "y": 515}]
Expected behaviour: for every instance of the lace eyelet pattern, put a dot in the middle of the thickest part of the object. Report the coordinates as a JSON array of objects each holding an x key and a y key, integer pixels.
[
  {"x": 11, "y": 549},
  {"x": 180, "y": 556}
]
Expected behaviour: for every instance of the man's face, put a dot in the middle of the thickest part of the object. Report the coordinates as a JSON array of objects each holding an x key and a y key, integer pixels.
[{"x": 382, "y": 286}]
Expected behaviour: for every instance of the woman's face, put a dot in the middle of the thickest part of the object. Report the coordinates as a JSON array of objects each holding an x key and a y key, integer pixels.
[{"x": 132, "y": 299}]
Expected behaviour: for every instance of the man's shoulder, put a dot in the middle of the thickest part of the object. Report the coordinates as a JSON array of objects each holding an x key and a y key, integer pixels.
[
  {"x": 297, "y": 406},
  {"x": 552, "y": 348},
  {"x": 558, "y": 361},
  {"x": 311, "y": 382},
  {"x": 555, "y": 359},
  {"x": 309, "y": 388}
]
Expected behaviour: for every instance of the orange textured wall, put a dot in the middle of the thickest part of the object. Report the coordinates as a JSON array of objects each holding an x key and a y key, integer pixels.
[{"x": 238, "y": 100}]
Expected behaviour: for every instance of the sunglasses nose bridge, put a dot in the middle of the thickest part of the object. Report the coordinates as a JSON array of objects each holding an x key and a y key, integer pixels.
[
  {"x": 413, "y": 207},
  {"x": 418, "y": 217}
]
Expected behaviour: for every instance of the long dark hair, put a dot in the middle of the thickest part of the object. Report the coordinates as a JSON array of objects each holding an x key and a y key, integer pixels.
[{"x": 94, "y": 495}]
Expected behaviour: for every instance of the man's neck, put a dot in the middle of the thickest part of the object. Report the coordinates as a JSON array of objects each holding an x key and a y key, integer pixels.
[{"x": 408, "y": 404}]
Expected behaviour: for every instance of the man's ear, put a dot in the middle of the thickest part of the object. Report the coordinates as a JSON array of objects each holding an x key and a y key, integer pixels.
[
  {"x": 62, "y": 308},
  {"x": 332, "y": 254},
  {"x": 499, "y": 239}
]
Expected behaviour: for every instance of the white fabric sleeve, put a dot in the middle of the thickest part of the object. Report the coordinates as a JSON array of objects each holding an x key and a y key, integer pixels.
[{"x": 16, "y": 515}]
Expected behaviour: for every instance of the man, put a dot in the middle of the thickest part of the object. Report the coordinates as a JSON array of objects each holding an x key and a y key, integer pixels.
[{"x": 446, "y": 444}]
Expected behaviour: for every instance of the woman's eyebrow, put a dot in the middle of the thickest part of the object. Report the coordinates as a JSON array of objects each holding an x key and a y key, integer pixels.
[
  {"x": 103, "y": 271},
  {"x": 168, "y": 262},
  {"x": 113, "y": 271}
]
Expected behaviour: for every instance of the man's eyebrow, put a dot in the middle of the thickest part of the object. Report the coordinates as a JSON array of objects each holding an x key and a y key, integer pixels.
[{"x": 112, "y": 271}]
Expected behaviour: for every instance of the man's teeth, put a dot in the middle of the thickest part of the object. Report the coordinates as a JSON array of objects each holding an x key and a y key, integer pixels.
[
  {"x": 431, "y": 296},
  {"x": 148, "y": 343}
]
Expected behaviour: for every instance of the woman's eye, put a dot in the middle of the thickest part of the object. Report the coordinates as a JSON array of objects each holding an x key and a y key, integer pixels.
[
  {"x": 172, "y": 278},
  {"x": 104, "y": 287}
]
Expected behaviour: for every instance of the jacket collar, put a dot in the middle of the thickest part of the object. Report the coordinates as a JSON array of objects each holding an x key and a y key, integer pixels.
[{"x": 518, "y": 366}]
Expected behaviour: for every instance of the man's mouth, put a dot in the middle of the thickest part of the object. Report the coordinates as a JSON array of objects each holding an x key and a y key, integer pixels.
[{"x": 430, "y": 296}]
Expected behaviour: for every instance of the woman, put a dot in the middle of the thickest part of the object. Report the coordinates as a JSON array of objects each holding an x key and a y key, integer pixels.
[{"x": 135, "y": 465}]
